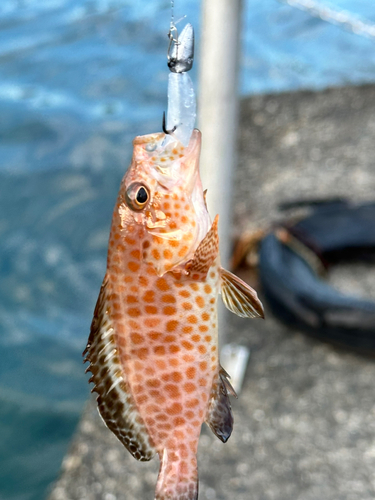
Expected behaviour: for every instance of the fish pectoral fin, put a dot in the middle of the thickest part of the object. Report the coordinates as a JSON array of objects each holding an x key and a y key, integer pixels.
[
  {"x": 115, "y": 402},
  {"x": 239, "y": 297},
  {"x": 219, "y": 414},
  {"x": 207, "y": 251}
]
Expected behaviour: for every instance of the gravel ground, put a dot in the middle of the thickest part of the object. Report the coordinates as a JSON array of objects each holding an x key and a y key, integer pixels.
[{"x": 305, "y": 419}]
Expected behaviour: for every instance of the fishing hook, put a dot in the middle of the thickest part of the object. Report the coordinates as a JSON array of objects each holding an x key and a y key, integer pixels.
[{"x": 164, "y": 126}]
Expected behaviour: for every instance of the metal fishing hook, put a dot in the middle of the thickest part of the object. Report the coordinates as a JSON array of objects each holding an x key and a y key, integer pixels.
[{"x": 164, "y": 126}]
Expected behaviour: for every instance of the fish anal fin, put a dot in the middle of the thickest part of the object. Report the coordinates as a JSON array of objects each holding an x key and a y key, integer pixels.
[
  {"x": 239, "y": 297},
  {"x": 115, "y": 402},
  {"x": 224, "y": 375},
  {"x": 219, "y": 414},
  {"x": 207, "y": 251}
]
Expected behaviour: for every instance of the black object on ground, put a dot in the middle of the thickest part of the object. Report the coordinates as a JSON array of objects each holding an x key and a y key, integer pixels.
[{"x": 335, "y": 231}]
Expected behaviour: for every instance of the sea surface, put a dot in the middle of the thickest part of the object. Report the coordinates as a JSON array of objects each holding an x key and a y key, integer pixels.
[{"x": 78, "y": 80}]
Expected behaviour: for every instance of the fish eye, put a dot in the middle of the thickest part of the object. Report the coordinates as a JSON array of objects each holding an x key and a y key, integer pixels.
[
  {"x": 142, "y": 196},
  {"x": 137, "y": 196}
]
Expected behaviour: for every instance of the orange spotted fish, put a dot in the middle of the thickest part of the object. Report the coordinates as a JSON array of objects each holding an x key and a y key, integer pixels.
[{"x": 153, "y": 346}]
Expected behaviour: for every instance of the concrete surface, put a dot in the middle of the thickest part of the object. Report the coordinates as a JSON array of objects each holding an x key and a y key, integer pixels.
[{"x": 305, "y": 420}]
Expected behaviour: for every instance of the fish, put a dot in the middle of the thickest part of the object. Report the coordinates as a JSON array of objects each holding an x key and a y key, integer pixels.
[{"x": 153, "y": 344}]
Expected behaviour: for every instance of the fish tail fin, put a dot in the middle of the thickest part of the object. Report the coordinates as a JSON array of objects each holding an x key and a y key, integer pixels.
[{"x": 178, "y": 476}]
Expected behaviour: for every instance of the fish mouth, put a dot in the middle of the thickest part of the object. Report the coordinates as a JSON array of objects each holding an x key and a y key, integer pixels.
[
  {"x": 167, "y": 160},
  {"x": 184, "y": 171},
  {"x": 144, "y": 140},
  {"x": 190, "y": 164},
  {"x": 195, "y": 143}
]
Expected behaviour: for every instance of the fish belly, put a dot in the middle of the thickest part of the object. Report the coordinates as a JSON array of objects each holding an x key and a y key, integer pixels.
[{"x": 170, "y": 354}]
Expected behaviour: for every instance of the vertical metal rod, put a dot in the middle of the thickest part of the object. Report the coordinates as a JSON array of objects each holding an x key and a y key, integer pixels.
[
  {"x": 218, "y": 116},
  {"x": 218, "y": 108}
]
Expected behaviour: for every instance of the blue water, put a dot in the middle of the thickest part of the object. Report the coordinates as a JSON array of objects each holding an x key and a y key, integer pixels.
[{"x": 78, "y": 80}]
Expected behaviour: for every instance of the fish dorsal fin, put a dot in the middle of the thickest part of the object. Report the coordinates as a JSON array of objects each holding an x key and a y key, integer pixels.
[
  {"x": 239, "y": 297},
  {"x": 219, "y": 414},
  {"x": 207, "y": 251},
  {"x": 115, "y": 403}
]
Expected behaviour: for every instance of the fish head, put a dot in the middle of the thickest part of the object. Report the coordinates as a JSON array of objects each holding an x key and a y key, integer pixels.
[{"x": 162, "y": 193}]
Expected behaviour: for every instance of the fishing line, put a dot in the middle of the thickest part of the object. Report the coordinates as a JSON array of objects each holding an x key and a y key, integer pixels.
[
  {"x": 172, "y": 13},
  {"x": 336, "y": 17},
  {"x": 173, "y": 33}
]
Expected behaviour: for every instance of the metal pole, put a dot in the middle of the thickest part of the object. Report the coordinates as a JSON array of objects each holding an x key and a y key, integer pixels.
[
  {"x": 218, "y": 108},
  {"x": 218, "y": 121}
]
